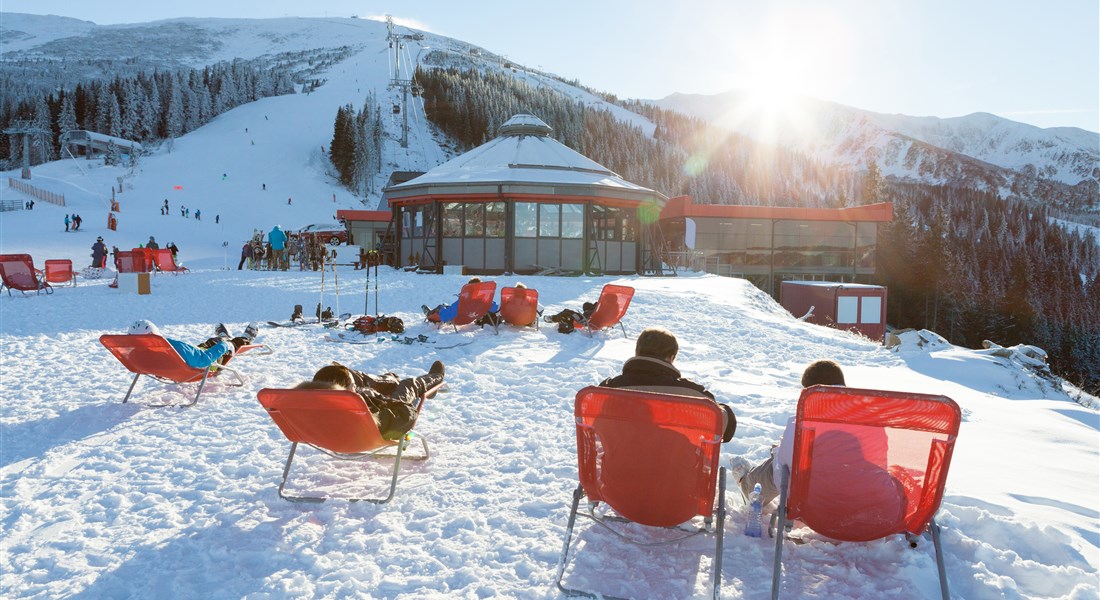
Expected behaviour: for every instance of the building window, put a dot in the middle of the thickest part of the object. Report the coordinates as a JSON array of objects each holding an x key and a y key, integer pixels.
[
  {"x": 527, "y": 219},
  {"x": 475, "y": 219},
  {"x": 550, "y": 220},
  {"x": 613, "y": 224},
  {"x": 572, "y": 221},
  {"x": 452, "y": 220},
  {"x": 494, "y": 219}
]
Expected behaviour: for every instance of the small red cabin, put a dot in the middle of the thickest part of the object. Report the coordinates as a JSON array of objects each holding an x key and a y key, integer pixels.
[{"x": 849, "y": 306}]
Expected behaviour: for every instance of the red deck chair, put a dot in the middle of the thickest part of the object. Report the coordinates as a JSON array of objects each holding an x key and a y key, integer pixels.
[
  {"x": 610, "y": 308},
  {"x": 143, "y": 260},
  {"x": 17, "y": 272},
  {"x": 338, "y": 424},
  {"x": 868, "y": 464},
  {"x": 651, "y": 457},
  {"x": 163, "y": 260},
  {"x": 153, "y": 356},
  {"x": 60, "y": 271},
  {"x": 474, "y": 302},
  {"x": 519, "y": 306}
]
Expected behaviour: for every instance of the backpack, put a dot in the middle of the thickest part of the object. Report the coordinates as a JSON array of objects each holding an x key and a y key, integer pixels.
[{"x": 368, "y": 324}]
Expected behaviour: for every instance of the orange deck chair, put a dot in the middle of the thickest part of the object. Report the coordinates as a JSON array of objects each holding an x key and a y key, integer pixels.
[
  {"x": 651, "y": 457},
  {"x": 153, "y": 356},
  {"x": 474, "y": 302},
  {"x": 519, "y": 306},
  {"x": 867, "y": 464},
  {"x": 338, "y": 424},
  {"x": 17, "y": 272},
  {"x": 60, "y": 271},
  {"x": 163, "y": 260},
  {"x": 610, "y": 309}
]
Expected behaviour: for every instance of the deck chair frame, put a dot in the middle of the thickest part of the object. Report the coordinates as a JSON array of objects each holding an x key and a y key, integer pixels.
[
  {"x": 466, "y": 317},
  {"x": 163, "y": 261},
  {"x": 602, "y": 309},
  {"x": 710, "y": 435},
  {"x": 945, "y": 417},
  {"x": 181, "y": 372},
  {"x": 58, "y": 267},
  {"x": 268, "y": 398},
  {"x": 36, "y": 283},
  {"x": 512, "y": 294}
]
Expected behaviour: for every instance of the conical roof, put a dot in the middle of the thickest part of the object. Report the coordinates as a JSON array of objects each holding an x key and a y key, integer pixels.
[{"x": 523, "y": 159}]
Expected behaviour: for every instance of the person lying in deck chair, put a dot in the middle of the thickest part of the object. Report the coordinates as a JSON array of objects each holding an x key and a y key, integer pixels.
[
  {"x": 445, "y": 313},
  {"x": 392, "y": 401},
  {"x": 819, "y": 372},
  {"x": 651, "y": 370},
  {"x": 567, "y": 319},
  {"x": 219, "y": 348}
]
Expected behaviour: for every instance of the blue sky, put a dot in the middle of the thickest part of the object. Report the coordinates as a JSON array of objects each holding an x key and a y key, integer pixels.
[{"x": 1035, "y": 62}]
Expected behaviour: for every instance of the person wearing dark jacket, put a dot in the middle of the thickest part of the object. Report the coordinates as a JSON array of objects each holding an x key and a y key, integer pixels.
[
  {"x": 392, "y": 401},
  {"x": 651, "y": 370},
  {"x": 99, "y": 253}
]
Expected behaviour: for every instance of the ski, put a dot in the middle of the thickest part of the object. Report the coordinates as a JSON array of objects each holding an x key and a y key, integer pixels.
[{"x": 326, "y": 323}]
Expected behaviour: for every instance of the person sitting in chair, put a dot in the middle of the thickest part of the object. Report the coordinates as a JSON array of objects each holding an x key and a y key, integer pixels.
[
  {"x": 567, "y": 319},
  {"x": 392, "y": 401},
  {"x": 651, "y": 370},
  {"x": 820, "y": 372},
  {"x": 445, "y": 313},
  {"x": 217, "y": 349}
]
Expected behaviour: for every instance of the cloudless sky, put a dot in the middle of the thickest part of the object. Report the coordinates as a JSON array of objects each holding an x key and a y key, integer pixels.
[{"x": 1035, "y": 62}]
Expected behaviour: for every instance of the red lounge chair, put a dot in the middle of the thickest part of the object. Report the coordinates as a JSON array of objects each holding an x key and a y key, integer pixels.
[
  {"x": 152, "y": 355},
  {"x": 17, "y": 272},
  {"x": 163, "y": 260},
  {"x": 610, "y": 309},
  {"x": 519, "y": 306},
  {"x": 474, "y": 302},
  {"x": 338, "y": 424},
  {"x": 60, "y": 271},
  {"x": 651, "y": 457},
  {"x": 868, "y": 464}
]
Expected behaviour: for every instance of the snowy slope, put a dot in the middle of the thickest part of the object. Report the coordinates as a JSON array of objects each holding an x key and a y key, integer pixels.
[
  {"x": 108, "y": 500},
  {"x": 105, "y": 500}
]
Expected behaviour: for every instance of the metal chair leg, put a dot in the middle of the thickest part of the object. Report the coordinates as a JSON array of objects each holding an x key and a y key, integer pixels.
[
  {"x": 781, "y": 526},
  {"x": 563, "y": 561},
  {"x": 131, "y": 390},
  {"x": 935, "y": 529}
]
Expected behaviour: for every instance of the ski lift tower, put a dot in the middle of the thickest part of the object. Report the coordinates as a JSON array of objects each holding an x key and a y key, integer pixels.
[
  {"x": 397, "y": 44},
  {"x": 27, "y": 129}
]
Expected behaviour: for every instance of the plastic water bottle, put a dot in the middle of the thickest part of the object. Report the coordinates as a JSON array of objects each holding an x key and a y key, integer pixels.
[{"x": 754, "y": 525}]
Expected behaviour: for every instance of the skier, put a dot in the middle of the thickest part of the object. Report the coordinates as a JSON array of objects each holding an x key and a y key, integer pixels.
[
  {"x": 277, "y": 238},
  {"x": 246, "y": 253},
  {"x": 263, "y": 187},
  {"x": 217, "y": 219},
  {"x": 66, "y": 222},
  {"x": 198, "y": 215}
]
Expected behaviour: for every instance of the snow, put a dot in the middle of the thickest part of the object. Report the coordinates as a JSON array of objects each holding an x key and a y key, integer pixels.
[{"x": 109, "y": 500}]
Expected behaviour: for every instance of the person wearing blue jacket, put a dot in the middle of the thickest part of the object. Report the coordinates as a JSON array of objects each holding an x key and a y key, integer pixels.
[
  {"x": 445, "y": 313},
  {"x": 277, "y": 239},
  {"x": 217, "y": 349}
]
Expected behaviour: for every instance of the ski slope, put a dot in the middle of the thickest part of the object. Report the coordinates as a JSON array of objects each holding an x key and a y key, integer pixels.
[{"x": 110, "y": 500}]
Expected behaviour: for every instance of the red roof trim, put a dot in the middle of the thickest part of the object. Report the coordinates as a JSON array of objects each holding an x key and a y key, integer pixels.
[
  {"x": 682, "y": 206},
  {"x": 364, "y": 215}
]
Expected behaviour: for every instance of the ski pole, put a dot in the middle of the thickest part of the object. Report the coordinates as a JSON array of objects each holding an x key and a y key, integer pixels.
[
  {"x": 322, "y": 302},
  {"x": 336, "y": 281}
]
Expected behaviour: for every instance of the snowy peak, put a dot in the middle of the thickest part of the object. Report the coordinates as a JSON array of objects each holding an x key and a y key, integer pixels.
[{"x": 978, "y": 149}]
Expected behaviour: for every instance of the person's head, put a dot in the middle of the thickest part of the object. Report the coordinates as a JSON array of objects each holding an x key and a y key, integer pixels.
[
  {"x": 152, "y": 239},
  {"x": 336, "y": 374},
  {"x": 657, "y": 342},
  {"x": 822, "y": 372},
  {"x": 142, "y": 327},
  {"x": 520, "y": 285},
  {"x": 99, "y": 239},
  {"x": 317, "y": 385},
  {"x": 474, "y": 280}
]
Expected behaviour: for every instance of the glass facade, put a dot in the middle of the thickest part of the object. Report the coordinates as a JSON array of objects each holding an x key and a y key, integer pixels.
[{"x": 614, "y": 224}]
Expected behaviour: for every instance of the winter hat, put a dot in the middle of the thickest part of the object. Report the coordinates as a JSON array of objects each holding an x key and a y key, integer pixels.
[{"x": 142, "y": 326}]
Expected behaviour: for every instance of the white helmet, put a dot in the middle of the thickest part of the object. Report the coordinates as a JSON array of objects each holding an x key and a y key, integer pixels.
[{"x": 143, "y": 326}]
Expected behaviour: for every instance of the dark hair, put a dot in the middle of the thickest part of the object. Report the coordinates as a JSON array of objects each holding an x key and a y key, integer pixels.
[
  {"x": 335, "y": 374},
  {"x": 656, "y": 342},
  {"x": 822, "y": 372},
  {"x": 474, "y": 280},
  {"x": 318, "y": 385}
]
